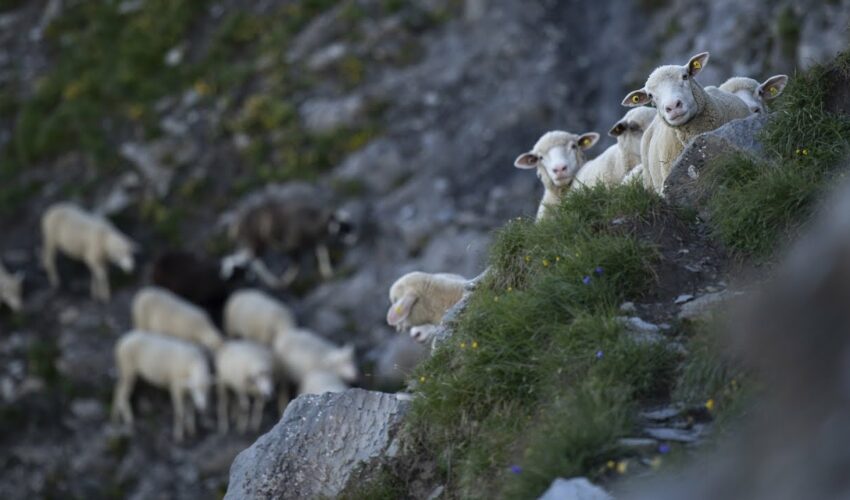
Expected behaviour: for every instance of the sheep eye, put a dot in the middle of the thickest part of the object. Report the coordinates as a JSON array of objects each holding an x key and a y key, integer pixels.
[
  {"x": 574, "y": 146},
  {"x": 756, "y": 110},
  {"x": 685, "y": 76}
]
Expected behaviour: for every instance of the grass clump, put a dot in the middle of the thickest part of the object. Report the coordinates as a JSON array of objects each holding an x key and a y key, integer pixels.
[
  {"x": 539, "y": 375},
  {"x": 757, "y": 204}
]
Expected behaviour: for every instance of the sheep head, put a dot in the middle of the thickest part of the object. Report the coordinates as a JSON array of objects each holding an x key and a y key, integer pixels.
[
  {"x": 341, "y": 361},
  {"x": 423, "y": 333},
  {"x": 754, "y": 94},
  {"x": 198, "y": 384},
  {"x": 629, "y": 130},
  {"x": 557, "y": 156},
  {"x": 10, "y": 291},
  {"x": 120, "y": 251},
  {"x": 671, "y": 89}
]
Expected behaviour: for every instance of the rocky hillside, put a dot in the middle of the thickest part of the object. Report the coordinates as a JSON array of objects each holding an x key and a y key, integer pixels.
[{"x": 162, "y": 114}]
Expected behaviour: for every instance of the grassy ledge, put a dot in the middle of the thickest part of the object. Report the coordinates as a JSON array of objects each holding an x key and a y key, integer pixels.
[{"x": 539, "y": 345}]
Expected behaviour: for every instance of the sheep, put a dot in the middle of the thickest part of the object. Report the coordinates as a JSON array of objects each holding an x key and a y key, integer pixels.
[
  {"x": 196, "y": 279},
  {"x": 301, "y": 352},
  {"x": 158, "y": 310},
  {"x": 557, "y": 156},
  {"x": 290, "y": 219},
  {"x": 254, "y": 315},
  {"x": 684, "y": 110},
  {"x": 168, "y": 363},
  {"x": 247, "y": 369},
  {"x": 10, "y": 288},
  {"x": 754, "y": 94},
  {"x": 320, "y": 382},
  {"x": 612, "y": 166},
  {"x": 419, "y": 298},
  {"x": 87, "y": 237}
]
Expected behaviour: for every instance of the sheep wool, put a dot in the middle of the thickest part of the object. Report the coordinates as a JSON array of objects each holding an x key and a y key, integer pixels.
[
  {"x": 158, "y": 310},
  {"x": 419, "y": 298},
  {"x": 10, "y": 288},
  {"x": 302, "y": 351},
  {"x": 257, "y": 316},
  {"x": 247, "y": 369}
]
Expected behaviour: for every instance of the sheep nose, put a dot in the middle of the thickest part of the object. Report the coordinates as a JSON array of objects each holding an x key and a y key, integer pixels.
[
  {"x": 676, "y": 105},
  {"x": 559, "y": 169}
]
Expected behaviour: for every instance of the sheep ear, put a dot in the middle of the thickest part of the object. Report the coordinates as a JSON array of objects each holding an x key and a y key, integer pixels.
[
  {"x": 697, "y": 62},
  {"x": 401, "y": 309},
  {"x": 586, "y": 141},
  {"x": 636, "y": 98},
  {"x": 772, "y": 87},
  {"x": 617, "y": 129},
  {"x": 527, "y": 160}
]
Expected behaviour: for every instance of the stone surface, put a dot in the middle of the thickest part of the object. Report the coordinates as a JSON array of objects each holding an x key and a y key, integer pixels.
[
  {"x": 321, "y": 445},
  {"x": 682, "y": 186},
  {"x": 673, "y": 434},
  {"x": 578, "y": 488},
  {"x": 703, "y": 305}
]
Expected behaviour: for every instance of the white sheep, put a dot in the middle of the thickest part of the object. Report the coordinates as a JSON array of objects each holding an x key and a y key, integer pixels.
[
  {"x": 684, "y": 110},
  {"x": 754, "y": 94},
  {"x": 557, "y": 156},
  {"x": 87, "y": 237},
  {"x": 257, "y": 316},
  {"x": 419, "y": 298},
  {"x": 301, "y": 352},
  {"x": 612, "y": 166},
  {"x": 10, "y": 288},
  {"x": 320, "y": 382},
  {"x": 168, "y": 363},
  {"x": 158, "y": 310},
  {"x": 247, "y": 369}
]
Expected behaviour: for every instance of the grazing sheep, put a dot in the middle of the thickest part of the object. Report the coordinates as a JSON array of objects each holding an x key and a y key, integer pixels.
[
  {"x": 168, "y": 363},
  {"x": 612, "y": 166},
  {"x": 301, "y": 352},
  {"x": 86, "y": 237},
  {"x": 419, "y": 298},
  {"x": 158, "y": 310},
  {"x": 684, "y": 110},
  {"x": 257, "y": 316},
  {"x": 247, "y": 369},
  {"x": 10, "y": 288},
  {"x": 288, "y": 219},
  {"x": 196, "y": 279},
  {"x": 754, "y": 94},
  {"x": 557, "y": 156},
  {"x": 320, "y": 382}
]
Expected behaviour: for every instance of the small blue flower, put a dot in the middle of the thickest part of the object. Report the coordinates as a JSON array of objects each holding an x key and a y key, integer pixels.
[
  {"x": 599, "y": 354},
  {"x": 599, "y": 270},
  {"x": 586, "y": 280},
  {"x": 664, "y": 448},
  {"x": 516, "y": 469}
]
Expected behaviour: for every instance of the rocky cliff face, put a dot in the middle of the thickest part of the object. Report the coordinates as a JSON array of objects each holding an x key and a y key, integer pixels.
[{"x": 451, "y": 93}]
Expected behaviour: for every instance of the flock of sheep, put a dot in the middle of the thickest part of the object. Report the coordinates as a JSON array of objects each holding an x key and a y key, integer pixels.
[{"x": 175, "y": 332}]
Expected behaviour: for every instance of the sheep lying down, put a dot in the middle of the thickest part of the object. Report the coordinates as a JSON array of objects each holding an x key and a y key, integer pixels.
[
  {"x": 165, "y": 362},
  {"x": 90, "y": 238}
]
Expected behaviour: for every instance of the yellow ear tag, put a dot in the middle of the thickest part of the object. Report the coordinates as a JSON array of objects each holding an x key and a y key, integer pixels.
[
  {"x": 696, "y": 65},
  {"x": 635, "y": 98},
  {"x": 585, "y": 141},
  {"x": 773, "y": 91}
]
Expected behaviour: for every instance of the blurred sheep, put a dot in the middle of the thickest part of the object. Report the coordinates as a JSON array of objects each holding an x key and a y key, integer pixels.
[
  {"x": 158, "y": 310},
  {"x": 247, "y": 369},
  {"x": 11, "y": 288}
]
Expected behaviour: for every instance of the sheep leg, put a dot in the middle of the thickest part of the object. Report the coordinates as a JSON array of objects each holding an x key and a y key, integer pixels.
[
  {"x": 289, "y": 276},
  {"x": 48, "y": 260},
  {"x": 121, "y": 401},
  {"x": 99, "y": 280},
  {"x": 177, "y": 402},
  {"x": 190, "y": 419},
  {"x": 324, "y": 259},
  {"x": 257, "y": 413},
  {"x": 223, "y": 423},
  {"x": 265, "y": 275},
  {"x": 242, "y": 415}
]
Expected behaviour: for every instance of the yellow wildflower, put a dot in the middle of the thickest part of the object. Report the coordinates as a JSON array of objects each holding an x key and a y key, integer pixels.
[
  {"x": 545, "y": 263},
  {"x": 611, "y": 464},
  {"x": 202, "y": 88},
  {"x": 709, "y": 405},
  {"x": 622, "y": 467},
  {"x": 475, "y": 344},
  {"x": 463, "y": 345},
  {"x": 422, "y": 379}
]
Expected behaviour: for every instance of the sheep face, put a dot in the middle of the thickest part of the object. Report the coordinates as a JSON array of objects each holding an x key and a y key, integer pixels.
[
  {"x": 198, "y": 386},
  {"x": 262, "y": 383},
  {"x": 671, "y": 90},
  {"x": 557, "y": 156},
  {"x": 629, "y": 130},
  {"x": 10, "y": 291},
  {"x": 754, "y": 94},
  {"x": 423, "y": 333},
  {"x": 341, "y": 361},
  {"x": 341, "y": 228},
  {"x": 120, "y": 250}
]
